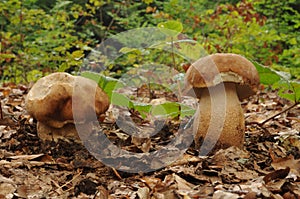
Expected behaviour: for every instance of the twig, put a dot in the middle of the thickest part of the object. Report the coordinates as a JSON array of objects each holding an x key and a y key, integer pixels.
[
  {"x": 273, "y": 116},
  {"x": 60, "y": 188},
  {"x": 110, "y": 23},
  {"x": 117, "y": 173}
]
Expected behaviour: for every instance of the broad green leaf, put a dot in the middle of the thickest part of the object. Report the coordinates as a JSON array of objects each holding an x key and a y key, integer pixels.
[
  {"x": 63, "y": 67},
  {"x": 126, "y": 50},
  {"x": 267, "y": 76},
  {"x": 167, "y": 109},
  {"x": 148, "y": 1},
  {"x": 121, "y": 100},
  {"x": 186, "y": 111},
  {"x": 77, "y": 54},
  {"x": 61, "y": 4},
  {"x": 34, "y": 75},
  {"x": 171, "y": 28},
  {"x": 7, "y": 56},
  {"x": 143, "y": 109},
  {"x": 190, "y": 49},
  {"x": 289, "y": 90},
  {"x": 107, "y": 84}
]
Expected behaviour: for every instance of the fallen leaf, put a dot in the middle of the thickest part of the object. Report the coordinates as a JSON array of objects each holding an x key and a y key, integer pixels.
[
  {"x": 283, "y": 163},
  {"x": 182, "y": 184},
  {"x": 143, "y": 193},
  {"x": 219, "y": 194},
  {"x": 275, "y": 175},
  {"x": 7, "y": 189}
]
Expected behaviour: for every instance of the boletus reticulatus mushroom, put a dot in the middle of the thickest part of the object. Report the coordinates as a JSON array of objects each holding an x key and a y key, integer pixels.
[
  {"x": 51, "y": 102},
  {"x": 220, "y": 81}
]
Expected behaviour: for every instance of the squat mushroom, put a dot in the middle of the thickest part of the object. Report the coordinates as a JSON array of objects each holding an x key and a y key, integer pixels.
[
  {"x": 220, "y": 81},
  {"x": 50, "y": 101}
]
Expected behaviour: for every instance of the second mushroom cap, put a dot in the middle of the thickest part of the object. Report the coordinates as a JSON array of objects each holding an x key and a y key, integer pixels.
[{"x": 224, "y": 67}]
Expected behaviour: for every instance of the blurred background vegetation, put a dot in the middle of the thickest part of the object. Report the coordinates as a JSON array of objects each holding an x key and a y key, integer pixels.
[{"x": 41, "y": 36}]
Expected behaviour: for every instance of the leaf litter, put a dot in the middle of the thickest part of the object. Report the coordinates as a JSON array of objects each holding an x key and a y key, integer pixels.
[{"x": 268, "y": 167}]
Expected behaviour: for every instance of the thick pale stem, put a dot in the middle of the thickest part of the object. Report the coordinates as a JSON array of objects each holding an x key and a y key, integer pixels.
[{"x": 219, "y": 121}]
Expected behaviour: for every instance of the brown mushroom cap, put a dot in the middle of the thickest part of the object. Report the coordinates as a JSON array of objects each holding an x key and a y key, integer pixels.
[
  {"x": 224, "y": 67},
  {"x": 50, "y": 99}
]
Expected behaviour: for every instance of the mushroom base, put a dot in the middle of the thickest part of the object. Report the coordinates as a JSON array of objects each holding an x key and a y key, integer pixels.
[
  {"x": 221, "y": 125},
  {"x": 67, "y": 132}
]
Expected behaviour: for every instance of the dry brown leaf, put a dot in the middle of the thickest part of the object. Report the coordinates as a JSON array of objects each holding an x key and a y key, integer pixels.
[
  {"x": 186, "y": 158},
  {"x": 182, "y": 184},
  {"x": 275, "y": 175},
  {"x": 7, "y": 189},
  {"x": 151, "y": 182},
  {"x": 142, "y": 143},
  {"x": 219, "y": 194},
  {"x": 283, "y": 163},
  {"x": 143, "y": 193}
]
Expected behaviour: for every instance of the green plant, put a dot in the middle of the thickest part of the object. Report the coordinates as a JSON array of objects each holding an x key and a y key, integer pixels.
[
  {"x": 286, "y": 87},
  {"x": 284, "y": 18},
  {"x": 34, "y": 42}
]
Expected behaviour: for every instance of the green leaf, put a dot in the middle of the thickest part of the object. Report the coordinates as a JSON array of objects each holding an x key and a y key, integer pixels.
[
  {"x": 121, "y": 100},
  {"x": 108, "y": 84},
  {"x": 143, "y": 109},
  {"x": 61, "y": 4},
  {"x": 126, "y": 50},
  {"x": 267, "y": 76},
  {"x": 7, "y": 56},
  {"x": 167, "y": 109},
  {"x": 171, "y": 28},
  {"x": 288, "y": 89},
  {"x": 148, "y": 1},
  {"x": 77, "y": 54},
  {"x": 186, "y": 110},
  {"x": 63, "y": 67},
  {"x": 190, "y": 49}
]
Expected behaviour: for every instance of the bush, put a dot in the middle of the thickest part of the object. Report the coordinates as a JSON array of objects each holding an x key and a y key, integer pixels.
[{"x": 39, "y": 36}]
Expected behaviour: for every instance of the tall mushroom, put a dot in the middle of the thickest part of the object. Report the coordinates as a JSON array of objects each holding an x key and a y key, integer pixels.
[
  {"x": 50, "y": 102},
  {"x": 220, "y": 81}
]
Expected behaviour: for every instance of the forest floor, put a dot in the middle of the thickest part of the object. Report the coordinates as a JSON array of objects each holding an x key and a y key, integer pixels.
[{"x": 267, "y": 167}]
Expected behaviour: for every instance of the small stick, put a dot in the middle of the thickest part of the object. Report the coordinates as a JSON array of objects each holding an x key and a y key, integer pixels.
[
  {"x": 273, "y": 116},
  {"x": 117, "y": 173},
  {"x": 60, "y": 188}
]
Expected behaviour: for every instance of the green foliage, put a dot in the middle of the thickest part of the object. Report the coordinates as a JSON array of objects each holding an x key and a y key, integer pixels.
[
  {"x": 33, "y": 39},
  {"x": 267, "y": 75},
  {"x": 107, "y": 84},
  {"x": 164, "y": 110},
  {"x": 39, "y": 37},
  {"x": 285, "y": 20},
  {"x": 287, "y": 88},
  {"x": 56, "y": 35},
  {"x": 171, "y": 28},
  {"x": 266, "y": 31}
]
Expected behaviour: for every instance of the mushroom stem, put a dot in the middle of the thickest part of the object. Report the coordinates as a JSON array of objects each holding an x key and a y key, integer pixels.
[{"x": 219, "y": 121}]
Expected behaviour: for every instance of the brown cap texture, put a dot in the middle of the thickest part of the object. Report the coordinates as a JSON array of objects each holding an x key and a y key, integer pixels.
[
  {"x": 51, "y": 98},
  {"x": 214, "y": 69}
]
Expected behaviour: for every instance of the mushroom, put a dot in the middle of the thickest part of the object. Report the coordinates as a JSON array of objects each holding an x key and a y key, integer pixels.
[
  {"x": 52, "y": 100},
  {"x": 220, "y": 81}
]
